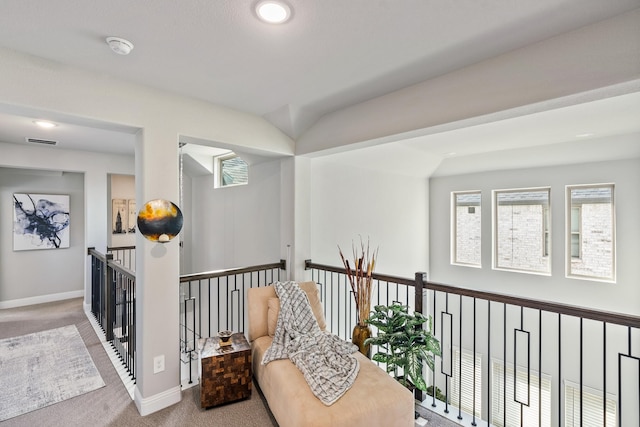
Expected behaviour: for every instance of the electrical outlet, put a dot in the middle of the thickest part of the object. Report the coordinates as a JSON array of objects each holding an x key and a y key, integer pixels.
[{"x": 158, "y": 364}]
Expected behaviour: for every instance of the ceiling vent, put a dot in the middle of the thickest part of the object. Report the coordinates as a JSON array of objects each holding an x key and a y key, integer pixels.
[{"x": 42, "y": 141}]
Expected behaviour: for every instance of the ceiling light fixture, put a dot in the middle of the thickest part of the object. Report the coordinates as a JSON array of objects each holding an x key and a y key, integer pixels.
[
  {"x": 273, "y": 12},
  {"x": 119, "y": 45},
  {"x": 584, "y": 135},
  {"x": 45, "y": 124}
]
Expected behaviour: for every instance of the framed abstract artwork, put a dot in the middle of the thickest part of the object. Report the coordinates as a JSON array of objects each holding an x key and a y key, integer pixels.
[{"x": 40, "y": 221}]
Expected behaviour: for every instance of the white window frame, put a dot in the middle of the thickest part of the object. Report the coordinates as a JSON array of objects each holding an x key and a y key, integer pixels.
[
  {"x": 219, "y": 183},
  {"x": 569, "y": 259},
  {"x": 454, "y": 229},
  {"x": 543, "y": 234}
]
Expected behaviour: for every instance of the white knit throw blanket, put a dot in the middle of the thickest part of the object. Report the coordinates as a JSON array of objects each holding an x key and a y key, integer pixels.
[{"x": 325, "y": 360}]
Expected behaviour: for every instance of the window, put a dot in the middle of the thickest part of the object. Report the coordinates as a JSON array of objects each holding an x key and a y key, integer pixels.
[
  {"x": 522, "y": 232},
  {"x": 466, "y": 227},
  {"x": 467, "y": 398},
  {"x": 592, "y": 407},
  {"x": 507, "y": 408},
  {"x": 232, "y": 170},
  {"x": 591, "y": 232}
]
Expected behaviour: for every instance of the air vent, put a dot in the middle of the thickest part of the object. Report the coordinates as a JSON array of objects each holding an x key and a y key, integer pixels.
[{"x": 42, "y": 141}]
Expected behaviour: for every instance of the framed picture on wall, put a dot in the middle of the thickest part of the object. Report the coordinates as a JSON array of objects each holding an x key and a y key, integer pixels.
[
  {"x": 119, "y": 216},
  {"x": 40, "y": 221},
  {"x": 132, "y": 217}
]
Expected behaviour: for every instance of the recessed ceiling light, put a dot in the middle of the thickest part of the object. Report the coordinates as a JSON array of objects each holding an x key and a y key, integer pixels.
[
  {"x": 273, "y": 12},
  {"x": 584, "y": 135},
  {"x": 45, "y": 124},
  {"x": 119, "y": 45}
]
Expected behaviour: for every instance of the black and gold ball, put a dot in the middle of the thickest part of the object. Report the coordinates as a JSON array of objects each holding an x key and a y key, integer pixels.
[{"x": 160, "y": 220}]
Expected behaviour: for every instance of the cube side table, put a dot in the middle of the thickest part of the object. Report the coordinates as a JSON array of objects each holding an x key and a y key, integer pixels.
[{"x": 225, "y": 372}]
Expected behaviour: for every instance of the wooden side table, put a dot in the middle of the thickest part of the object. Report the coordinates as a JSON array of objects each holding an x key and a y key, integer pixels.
[{"x": 225, "y": 372}]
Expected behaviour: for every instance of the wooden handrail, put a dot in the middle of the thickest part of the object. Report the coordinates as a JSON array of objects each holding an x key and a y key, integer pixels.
[
  {"x": 122, "y": 270},
  {"x": 93, "y": 252},
  {"x": 308, "y": 265},
  {"x": 119, "y": 248},
  {"x": 231, "y": 271},
  {"x": 623, "y": 319}
]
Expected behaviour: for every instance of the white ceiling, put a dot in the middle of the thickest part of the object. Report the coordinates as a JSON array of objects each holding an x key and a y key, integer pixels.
[{"x": 332, "y": 54}]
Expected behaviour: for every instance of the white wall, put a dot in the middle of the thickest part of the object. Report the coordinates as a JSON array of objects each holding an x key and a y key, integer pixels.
[
  {"x": 622, "y": 296},
  {"x": 390, "y": 210},
  {"x": 89, "y": 204},
  {"x": 78, "y": 96},
  {"x": 236, "y": 226}
]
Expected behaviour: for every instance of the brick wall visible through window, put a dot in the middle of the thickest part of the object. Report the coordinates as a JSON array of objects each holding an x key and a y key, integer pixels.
[
  {"x": 522, "y": 235},
  {"x": 591, "y": 231},
  {"x": 466, "y": 233}
]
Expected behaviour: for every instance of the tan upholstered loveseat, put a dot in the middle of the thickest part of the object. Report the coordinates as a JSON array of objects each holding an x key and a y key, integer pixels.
[{"x": 375, "y": 399}]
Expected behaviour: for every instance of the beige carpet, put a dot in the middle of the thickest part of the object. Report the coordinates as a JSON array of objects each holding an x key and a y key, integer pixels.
[{"x": 111, "y": 405}]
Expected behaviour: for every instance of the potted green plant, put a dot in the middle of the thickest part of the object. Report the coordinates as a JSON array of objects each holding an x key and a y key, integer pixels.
[{"x": 403, "y": 343}]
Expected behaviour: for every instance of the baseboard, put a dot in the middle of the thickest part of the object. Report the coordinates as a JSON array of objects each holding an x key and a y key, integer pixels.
[
  {"x": 41, "y": 299},
  {"x": 158, "y": 401}
]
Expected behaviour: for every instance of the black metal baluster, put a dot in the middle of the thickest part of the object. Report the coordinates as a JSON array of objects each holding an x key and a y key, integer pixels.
[
  {"x": 489, "y": 360},
  {"x": 539, "y": 368},
  {"x": 446, "y": 374},
  {"x": 559, "y": 369},
  {"x": 604, "y": 374},
  {"x": 460, "y": 359},
  {"x": 504, "y": 361},
  {"x": 433, "y": 386},
  {"x": 580, "y": 374},
  {"x": 473, "y": 420}
]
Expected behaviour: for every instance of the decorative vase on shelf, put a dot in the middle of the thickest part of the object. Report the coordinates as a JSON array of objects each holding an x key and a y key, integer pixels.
[{"x": 359, "y": 335}]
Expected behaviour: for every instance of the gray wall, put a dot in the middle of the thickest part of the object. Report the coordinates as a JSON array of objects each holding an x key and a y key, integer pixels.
[
  {"x": 236, "y": 226},
  {"x": 34, "y": 273},
  {"x": 622, "y": 296}
]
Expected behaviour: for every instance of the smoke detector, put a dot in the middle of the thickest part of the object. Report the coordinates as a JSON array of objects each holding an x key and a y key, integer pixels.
[{"x": 119, "y": 45}]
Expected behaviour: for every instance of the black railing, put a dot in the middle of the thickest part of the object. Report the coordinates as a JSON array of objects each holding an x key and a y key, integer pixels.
[
  {"x": 509, "y": 361},
  {"x": 338, "y": 301},
  {"x": 506, "y": 360},
  {"x": 125, "y": 255},
  {"x": 214, "y": 301},
  {"x": 113, "y": 305}
]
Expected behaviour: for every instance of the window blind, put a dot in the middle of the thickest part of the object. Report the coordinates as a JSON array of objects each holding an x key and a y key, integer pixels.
[
  {"x": 592, "y": 407},
  {"x": 539, "y": 394},
  {"x": 467, "y": 376}
]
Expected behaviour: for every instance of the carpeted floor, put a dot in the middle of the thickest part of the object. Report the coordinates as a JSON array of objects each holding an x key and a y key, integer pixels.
[{"x": 111, "y": 405}]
